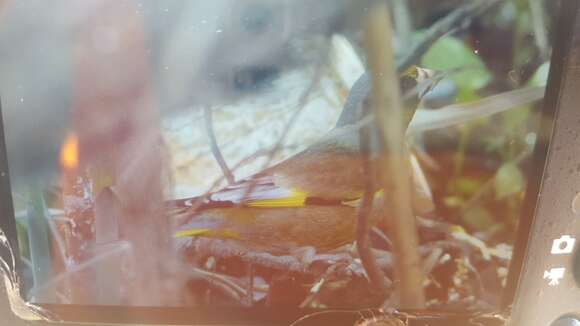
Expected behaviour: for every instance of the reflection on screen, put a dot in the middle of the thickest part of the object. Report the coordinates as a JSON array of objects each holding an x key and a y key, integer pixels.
[{"x": 190, "y": 153}]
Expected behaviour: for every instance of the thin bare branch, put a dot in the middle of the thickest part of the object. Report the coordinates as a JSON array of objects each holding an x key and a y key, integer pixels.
[
  {"x": 455, "y": 114},
  {"x": 375, "y": 274},
  {"x": 403, "y": 23},
  {"x": 539, "y": 24},
  {"x": 293, "y": 118},
  {"x": 215, "y": 149},
  {"x": 454, "y": 21},
  {"x": 395, "y": 174}
]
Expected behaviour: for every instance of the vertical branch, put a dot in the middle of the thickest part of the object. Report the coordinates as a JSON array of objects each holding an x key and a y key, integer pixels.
[
  {"x": 120, "y": 140},
  {"x": 394, "y": 162},
  {"x": 215, "y": 149},
  {"x": 377, "y": 277},
  {"x": 403, "y": 23}
]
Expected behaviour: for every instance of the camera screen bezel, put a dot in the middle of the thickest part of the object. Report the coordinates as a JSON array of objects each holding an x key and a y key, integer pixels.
[{"x": 564, "y": 34}]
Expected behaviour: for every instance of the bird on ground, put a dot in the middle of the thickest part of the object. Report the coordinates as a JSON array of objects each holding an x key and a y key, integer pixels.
[{"x": 311, "y": 198}]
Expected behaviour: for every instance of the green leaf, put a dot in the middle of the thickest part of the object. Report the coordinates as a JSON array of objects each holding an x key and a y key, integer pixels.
[
  {"x": 467, "y": 95},
  {"x": 39, "y": 237},
  {"x": 464, "y": 186},
  {"x": 540, "y": 77},
  {"x": 453, "y": 201},
  {"x": 478, "y": 218},
  {"x": 22, "y": 236},
  {"x": 450, "y": 53},
  {"x": 509, "y": 180},
  {"x": 514, "y": 118}
]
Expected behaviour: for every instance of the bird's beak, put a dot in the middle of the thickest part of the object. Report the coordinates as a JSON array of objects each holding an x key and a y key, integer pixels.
[{"x": 427, "y": 79}]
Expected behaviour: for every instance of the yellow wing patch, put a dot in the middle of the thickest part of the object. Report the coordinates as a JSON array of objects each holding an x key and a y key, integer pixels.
[
  {"x": 220, "y": 234},
  {"x": 192, "y": 233},
  {"x": 296, "y": 199}
]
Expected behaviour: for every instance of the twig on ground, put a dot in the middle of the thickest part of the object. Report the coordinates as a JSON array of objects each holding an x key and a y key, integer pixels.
[
  {"x": 431, "y": 261},
  {"x": 228, "y": 284},
  {"x": 315, "y": 289},
  {"x": 220, "y": 282},
  {"x": 226, "y": 250},
  {"x": 379, "y": 233}
]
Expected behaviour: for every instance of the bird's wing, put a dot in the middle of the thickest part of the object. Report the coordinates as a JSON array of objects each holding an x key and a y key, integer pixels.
[
  {"x": 201, "y": 213},
  {"x": 258, "y": 191}
]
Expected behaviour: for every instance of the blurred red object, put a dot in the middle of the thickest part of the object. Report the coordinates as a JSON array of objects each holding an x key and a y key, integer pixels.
[{"x": 120, "y": 146}]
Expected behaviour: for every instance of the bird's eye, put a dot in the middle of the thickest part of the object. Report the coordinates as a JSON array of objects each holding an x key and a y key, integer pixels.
[
  {"x": 257, "y": 18},
  {"x": 254, "y": 78}
]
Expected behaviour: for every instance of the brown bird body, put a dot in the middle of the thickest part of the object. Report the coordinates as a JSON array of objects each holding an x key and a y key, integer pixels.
[
  {"x": 277, "y": 217},
  {"x": 310, "y": 199},
  {"x": 279, "y": 230}
]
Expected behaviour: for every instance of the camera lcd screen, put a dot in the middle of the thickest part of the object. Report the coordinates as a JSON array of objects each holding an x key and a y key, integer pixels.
[{"x": 240, "y": 153}]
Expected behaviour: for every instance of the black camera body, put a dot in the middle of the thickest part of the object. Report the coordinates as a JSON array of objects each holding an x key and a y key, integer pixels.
[{"x": 545, "y": 273}]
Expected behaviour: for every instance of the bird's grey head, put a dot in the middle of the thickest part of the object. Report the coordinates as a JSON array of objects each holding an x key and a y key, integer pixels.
[{"x": 413, "y": 83}]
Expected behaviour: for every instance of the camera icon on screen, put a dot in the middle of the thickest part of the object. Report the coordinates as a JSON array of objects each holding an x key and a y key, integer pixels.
[{"x": 563, "y": 245}]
